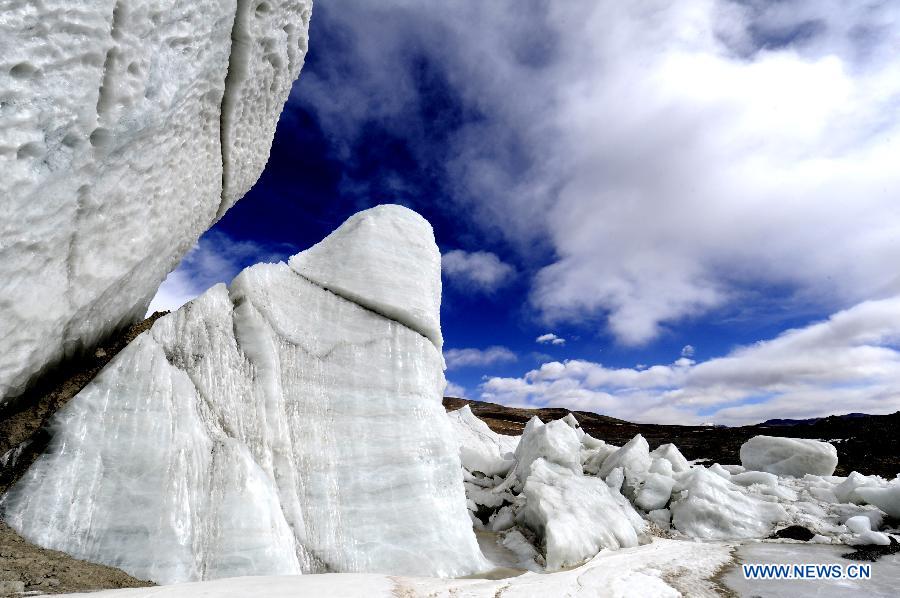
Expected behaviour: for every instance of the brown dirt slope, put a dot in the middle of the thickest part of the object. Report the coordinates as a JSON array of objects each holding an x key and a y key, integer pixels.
[
  {"x": 52, "y": 572},
  {"x": 868, "y": 444}
]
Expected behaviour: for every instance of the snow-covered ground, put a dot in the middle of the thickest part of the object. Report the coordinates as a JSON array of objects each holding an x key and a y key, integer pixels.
[{"x": 662, "y": 568}]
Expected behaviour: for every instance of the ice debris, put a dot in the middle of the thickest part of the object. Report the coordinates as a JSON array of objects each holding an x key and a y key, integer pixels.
[{"x": 620, "y": 495}]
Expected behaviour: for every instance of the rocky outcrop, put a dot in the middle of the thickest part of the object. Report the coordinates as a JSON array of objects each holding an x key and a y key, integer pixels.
[
  {"x": 271, "y": 427},
  {"x": 127, "y": 127}
]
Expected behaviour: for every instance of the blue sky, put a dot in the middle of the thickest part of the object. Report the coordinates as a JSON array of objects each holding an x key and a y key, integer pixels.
[{"x": 699, "y": 202}]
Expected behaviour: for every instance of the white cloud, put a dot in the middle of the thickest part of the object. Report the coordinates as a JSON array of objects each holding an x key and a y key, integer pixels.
[
  {"x": 687, "y": 351},
  {"x": 672, "y": 154},
  {"x": 550, "y": 338},
  {"x": 454, "y": 390},
  {"x": 461, "y": 358},
  {"x": 215, "y": 258},
  {"x": 479, "y": 269},
  {"x": 850, "y": 362}
]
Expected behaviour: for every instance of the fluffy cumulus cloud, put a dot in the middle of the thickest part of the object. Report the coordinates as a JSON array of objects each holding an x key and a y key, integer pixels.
[
  {"x": 673, "y": 155},
  {"x": 850, "y": 362},
  {"x": 461, "y": 358},
  {"x": 215, "y": 258},
  {"x": 550, "y": 338},
  {"x": 480, "y": 270}
]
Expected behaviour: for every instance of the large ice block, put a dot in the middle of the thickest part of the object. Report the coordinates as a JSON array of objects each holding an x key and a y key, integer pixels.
[
  {"x": 269, "y": 428},
  {"x": 789, "y": 456}
]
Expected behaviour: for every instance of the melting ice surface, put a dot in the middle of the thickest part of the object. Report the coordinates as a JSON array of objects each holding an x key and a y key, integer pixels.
[
  {"x": 884, "y": 580},
  {"x": 268, "y": 428}
]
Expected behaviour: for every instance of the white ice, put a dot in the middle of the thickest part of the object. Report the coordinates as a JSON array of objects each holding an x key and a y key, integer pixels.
[
  {"x": 269, "y": 428},
  {"x": 480, "y": 448},
  {"x": 111, "y": 127},
  {"x": 704, "y": 505},
  {"x": 789, "y": 456},
  {"x": 887, "y": 498},
  {"x": 575, "y": 516},
  {"x": 547, "y": 506},
  {"x": 556, "y": 442},
  {"x": 344, "y": 262}
]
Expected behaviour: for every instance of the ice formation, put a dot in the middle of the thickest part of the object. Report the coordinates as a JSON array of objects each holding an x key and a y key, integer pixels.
[
  {"x": 567, "y": 495},
  {"x": 121, "y": 142},
  {"x": 480, "y": 448},
  {"x": 576, "y": 516},
  {"x": 789, "y": 456},
  {"x": 271, "y": 427},
  {"x": 885, "y": 498},
  {"x": 343, "y": 263}
]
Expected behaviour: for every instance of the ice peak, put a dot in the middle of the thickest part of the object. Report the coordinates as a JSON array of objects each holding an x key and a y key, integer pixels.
[{"x": 384, "y": 259}]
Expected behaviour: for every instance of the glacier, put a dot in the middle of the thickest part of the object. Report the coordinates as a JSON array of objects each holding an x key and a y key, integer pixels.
[
  {"x": 271, "y": 427},
  {"x": 126, "y": 130}
]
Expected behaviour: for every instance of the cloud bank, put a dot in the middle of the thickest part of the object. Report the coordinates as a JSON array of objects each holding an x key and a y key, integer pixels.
[
  {"x": 850, "y": 362},
  {"x": 461, "y": 358}
]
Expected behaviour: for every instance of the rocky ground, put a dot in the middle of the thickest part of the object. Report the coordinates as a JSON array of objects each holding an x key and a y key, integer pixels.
[
  {"x": 868, "y": 444},
  {"x": 26, "y": 568}
]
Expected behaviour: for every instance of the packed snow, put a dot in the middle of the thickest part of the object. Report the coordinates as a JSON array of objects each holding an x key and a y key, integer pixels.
[
  {"x": 112, "y": 120},
  {"x": 267, "y": 428}
]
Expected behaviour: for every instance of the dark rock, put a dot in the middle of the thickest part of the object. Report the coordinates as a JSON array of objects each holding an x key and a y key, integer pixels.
[
  {"x": 793, "y": 532},
  {"x": 872, "y": 552}
]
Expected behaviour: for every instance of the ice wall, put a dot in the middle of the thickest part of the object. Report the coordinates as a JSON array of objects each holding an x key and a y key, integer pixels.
[
  {"x": 272, "y": 427},
  {"x": 127, "y": 127}
]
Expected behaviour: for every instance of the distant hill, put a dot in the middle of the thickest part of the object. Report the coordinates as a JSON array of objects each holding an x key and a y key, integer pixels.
[
  {"x": 865, "y": 443},
  {"x": 812, "y": 420}
]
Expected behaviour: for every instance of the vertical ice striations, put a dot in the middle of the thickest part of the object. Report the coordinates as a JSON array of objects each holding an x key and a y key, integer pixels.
[
  {"x": 269, "y": 428},
  {"x": 113, "y": 115}
]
